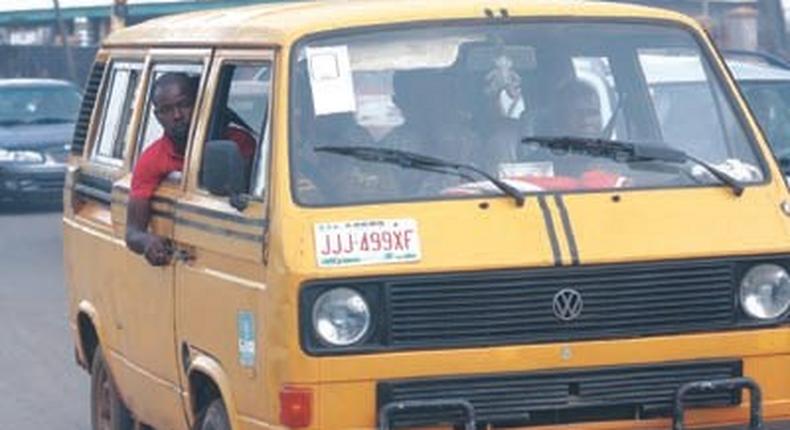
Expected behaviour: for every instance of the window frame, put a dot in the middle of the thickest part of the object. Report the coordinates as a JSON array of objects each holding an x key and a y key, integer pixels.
[
  {"x": 262, "y": 166},
  {"x": 130, "y": 104},
  {"x": 167, "y": 65}
]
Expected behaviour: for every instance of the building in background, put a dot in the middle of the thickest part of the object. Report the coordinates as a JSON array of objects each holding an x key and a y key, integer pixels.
[
  {"x": 31, "y": 44},
  {"x": 752, "y": 25}
]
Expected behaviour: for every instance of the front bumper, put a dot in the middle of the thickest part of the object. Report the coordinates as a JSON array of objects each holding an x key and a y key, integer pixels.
[
  {"x": 468, "y": 414},
  {"x": 31, "y": 182},
  {"x": 491, "y": 377}
]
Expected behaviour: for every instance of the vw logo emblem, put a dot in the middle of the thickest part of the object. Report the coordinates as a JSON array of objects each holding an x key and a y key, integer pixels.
[{"x": 567, "y": 304}]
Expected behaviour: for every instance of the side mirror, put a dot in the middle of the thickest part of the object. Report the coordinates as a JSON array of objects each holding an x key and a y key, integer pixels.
[{"x": 223, "y": 169}]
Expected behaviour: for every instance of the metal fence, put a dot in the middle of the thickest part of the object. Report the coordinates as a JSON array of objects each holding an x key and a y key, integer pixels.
[{"x": 44, "y": 62}]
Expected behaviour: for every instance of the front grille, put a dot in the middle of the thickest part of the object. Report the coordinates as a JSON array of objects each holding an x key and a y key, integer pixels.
[
  {"x": 517, "y": 307},
  {"x": 543, "y": 398}
]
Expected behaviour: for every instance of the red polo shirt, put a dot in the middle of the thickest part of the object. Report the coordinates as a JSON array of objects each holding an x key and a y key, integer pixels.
[{"x": 160, "y": 159}]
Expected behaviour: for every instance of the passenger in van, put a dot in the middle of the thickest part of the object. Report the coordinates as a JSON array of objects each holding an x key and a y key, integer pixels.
[
  {"x": 409, "y": 88},
  {"x": 434, "y": 123},
  {"x": 574, "y": 111},
  {"x": 577, "y": 110},
  {"x": 173, "y": 99}
]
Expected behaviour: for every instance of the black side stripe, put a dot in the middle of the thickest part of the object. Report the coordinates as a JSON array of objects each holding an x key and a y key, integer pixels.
[
  {"x": 92, "y": 193},
  {"x": 568, "y": 227},
  {"x": 159, "y": 199},
  {"x": 221, "y": 215},
  {"x": 163, "y": 214},
  {"x": 93, "y": 188},
  {"x": 97, "y": 182},
  {"x": 205, "y": 227},
  {"x": 167, "y": 213},
  {"x": 555, "y": 246},
  {"x": 219, "y": 230},
  {"x": 259, "y": 222}
]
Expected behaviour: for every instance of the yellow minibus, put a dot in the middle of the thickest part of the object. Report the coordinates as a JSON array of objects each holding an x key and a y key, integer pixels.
[{"x": 403, "y": 214}]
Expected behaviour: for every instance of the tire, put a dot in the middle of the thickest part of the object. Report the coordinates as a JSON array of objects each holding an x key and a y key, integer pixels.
[
  {"x": 107, "y": 409},
  {"x": 214, "y": 417}
]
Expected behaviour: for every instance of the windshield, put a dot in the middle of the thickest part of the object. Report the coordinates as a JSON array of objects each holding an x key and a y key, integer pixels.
[
  {"x": 471, "y": 94},
  {"x": 770, "y": 102},
  {"x": 51, "y": 104}
]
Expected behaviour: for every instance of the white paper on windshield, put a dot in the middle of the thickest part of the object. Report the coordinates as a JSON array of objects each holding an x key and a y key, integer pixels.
[
  {"x": 540, "y": 169},
  {"x": 365, "y": 242},
  {"x": 737, "y": 169},
  {"x": 330, "y": 80}
]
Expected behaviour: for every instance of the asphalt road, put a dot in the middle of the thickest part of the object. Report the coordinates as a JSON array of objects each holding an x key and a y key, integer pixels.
[{"x": 41, "y": 388}]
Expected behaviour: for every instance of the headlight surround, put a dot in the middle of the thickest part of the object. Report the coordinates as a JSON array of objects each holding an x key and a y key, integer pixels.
[
  {"x": 20, "y": 156},
  {"x": 341, "y": 317},
  {"x": 765, "y": 292}
]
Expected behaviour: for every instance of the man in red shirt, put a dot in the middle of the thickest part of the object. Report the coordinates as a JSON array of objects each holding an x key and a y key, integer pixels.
[{"x": 173, "y": 99}]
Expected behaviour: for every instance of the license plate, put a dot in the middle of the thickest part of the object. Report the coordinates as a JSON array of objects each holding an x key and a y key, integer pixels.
[{"x": 364, "y": 242}]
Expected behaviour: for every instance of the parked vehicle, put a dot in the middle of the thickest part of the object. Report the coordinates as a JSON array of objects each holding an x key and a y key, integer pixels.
[
  {"x": 36, "y": 126},
  {"x": 456, "y": 216}
]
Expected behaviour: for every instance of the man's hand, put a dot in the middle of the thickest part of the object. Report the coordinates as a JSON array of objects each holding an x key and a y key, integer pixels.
[{"x": 158, "y": 250}]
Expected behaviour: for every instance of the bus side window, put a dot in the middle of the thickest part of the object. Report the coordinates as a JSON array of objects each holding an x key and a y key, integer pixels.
[
  {"x": 110, "y": 146},
  {"x": 151, "y": 130},
  {"x": 240, "y": 114}
]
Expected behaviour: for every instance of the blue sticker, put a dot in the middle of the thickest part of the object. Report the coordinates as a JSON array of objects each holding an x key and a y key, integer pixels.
[{"x": 245, "y": 322}]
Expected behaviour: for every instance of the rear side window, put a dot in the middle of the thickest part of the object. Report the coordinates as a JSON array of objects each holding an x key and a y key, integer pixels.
[{"x": 110, "y": 144}]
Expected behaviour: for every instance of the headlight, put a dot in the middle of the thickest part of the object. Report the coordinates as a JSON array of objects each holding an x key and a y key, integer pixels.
[
  {"x": 765, "y": 291},
  {"x": 21, "y": 156},
  {"x": 341, "y": 317}
]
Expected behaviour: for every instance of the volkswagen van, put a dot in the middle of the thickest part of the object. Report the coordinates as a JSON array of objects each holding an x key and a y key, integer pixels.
[{"x": 469, "y": 214}]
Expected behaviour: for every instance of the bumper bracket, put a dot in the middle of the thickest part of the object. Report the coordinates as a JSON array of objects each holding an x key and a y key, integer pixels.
[{"x": 755, "y": 404}]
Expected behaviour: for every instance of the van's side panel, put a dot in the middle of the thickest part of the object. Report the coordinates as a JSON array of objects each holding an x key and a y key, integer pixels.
[
  {"x": 222, "y": 284},
  {"x": 150, "y": 378}
]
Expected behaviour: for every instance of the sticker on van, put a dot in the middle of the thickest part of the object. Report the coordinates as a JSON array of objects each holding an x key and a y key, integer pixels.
[
  {"x": 363, "y": 242},
  {"x": 245, "y": 321},
  {"x": 330, "y": 80}
]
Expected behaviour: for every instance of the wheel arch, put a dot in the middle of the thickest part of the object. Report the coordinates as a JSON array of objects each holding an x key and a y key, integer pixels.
[
  {"x": 207, "y": 381},
  {"x": 88, "y": 333}
]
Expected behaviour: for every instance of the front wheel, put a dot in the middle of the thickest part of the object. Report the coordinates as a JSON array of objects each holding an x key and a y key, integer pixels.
[
  {"x": 214, "y": 417},
  {"x": 107, "y": 409}
]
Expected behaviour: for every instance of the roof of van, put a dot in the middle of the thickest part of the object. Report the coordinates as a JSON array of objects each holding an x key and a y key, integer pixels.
[{"x": 281, "y": 23}]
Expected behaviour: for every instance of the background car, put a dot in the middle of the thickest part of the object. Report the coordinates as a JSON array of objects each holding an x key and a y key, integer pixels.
[
  {"x": 766, "y": 86},
  {"x": 678, "y": 89},
  {"x": 37, "y": 119}
]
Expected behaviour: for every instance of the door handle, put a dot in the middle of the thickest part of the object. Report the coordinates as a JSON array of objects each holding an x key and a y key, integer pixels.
[{"x": 183, "y": 255}]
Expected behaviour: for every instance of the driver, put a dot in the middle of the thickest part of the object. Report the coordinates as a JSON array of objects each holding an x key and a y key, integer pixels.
[{"x": 575, "y": 111}]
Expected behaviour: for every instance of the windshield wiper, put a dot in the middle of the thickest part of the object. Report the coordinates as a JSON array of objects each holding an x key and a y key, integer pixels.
[
  {"x": 627, "y": 152},
  {"x": 411, "y": 160}
]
